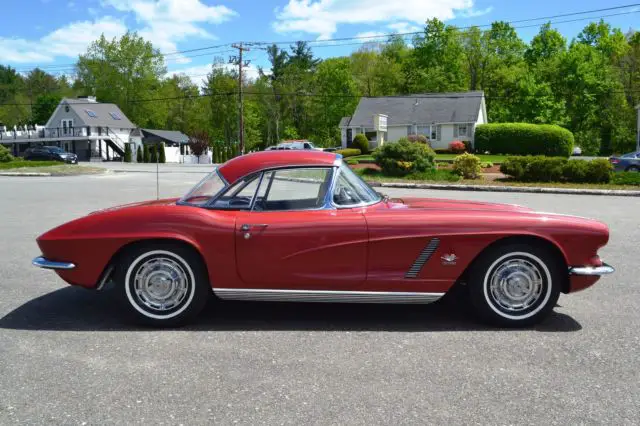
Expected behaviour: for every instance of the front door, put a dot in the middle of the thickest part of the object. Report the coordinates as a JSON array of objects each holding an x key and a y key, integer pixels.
[{"x": 292, "y": 240}]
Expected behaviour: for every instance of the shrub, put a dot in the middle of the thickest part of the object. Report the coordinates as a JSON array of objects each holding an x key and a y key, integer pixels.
[
  {"x": 457, "y": 147},
  {"x": 154, "y": 154},
  {"x": 524, "y": 139},
  {"x": 361, "y": 142},
  {"x": 626, "y": 178},
  {"x": 404, "y": 157},
  {"x": 352, "y": 161},
  {"x": 162, "y": 157},
  {"x": 127, "y": 153},
  {"x": 467, "y": 146},
  {"x": 348, "y": 152},
  {"x": 486, "y": 165},
  {"x": 5, "y": 155},
  {"x": 467, "y": 165},
  {"x": 556, "y": 169},
  {"x": 599, "y": 171},
  {"x": 146, "y": 156},
  {"x": 139, "y": 154},
  {"x": 418, "y": 138}
]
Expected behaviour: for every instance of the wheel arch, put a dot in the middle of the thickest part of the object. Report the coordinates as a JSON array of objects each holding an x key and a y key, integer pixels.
[
  {"x": 107, "y": 272},
  {"x": 522, "y": 239}
]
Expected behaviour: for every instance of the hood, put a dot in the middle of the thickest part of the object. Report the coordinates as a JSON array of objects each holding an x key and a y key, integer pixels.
[
  {"x": 163, "y": 202},
  {"x": 446, "y": 204}
]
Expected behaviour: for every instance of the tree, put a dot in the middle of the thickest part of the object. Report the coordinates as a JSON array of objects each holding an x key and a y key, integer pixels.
[
  {"x": 125, "y": 71},
  {"x": 127, "y": 153},
  {"x": 139, "y": 158},
  {"x": 44, "y": 107},
  {"x": 146, "y": 156},
  {"x": 154, "y": 154},
  {"x": 162, "y": 157},
  {"x": 199, "y": 143},
  {"x": 222, "y": 88}
]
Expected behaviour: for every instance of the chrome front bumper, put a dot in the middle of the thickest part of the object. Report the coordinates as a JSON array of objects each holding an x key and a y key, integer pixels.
[
  {"x": 592, "y": 270},
  {"x": 41, "y": 262}
]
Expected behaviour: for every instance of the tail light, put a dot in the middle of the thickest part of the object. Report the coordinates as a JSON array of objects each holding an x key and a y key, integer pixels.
[{"x": 614, "y": 160}]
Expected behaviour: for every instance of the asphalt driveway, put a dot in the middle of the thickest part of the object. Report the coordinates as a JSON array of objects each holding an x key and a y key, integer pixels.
[{"x": 67, "y": 358}]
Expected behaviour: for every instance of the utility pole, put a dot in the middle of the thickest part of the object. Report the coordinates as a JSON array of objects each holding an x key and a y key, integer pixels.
[{"x": 237, "y": 60}]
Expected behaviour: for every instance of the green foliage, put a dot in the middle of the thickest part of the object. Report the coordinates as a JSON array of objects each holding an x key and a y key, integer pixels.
[
  {"x": 349, "y": 152},
  {"x": 19, "y": 163},
  {"x": 524, "y": 139},
  {"x": 352, "y": 162},
  {"x": 467, "y": 165},
  {"x": 146, "y": 155},
  {"x": 153, "y": 158},
  {"x": 5, "y": 155},
  {"x": 626, "y": 178},
  {"x": 44, "y": 107},
  {"x": 139, "y": 158},
  {"x": 361, "y": 142},
  {"x": 556, "y": 169},
  {"x": 486, "y": 165},
  {"x": 127, "y": 153},
  {"x": 589, "y": 140},
  {"x": 162, "y": 156},
  {"x": 404, "y": 157},
  {"x": 418, "y": 138}
]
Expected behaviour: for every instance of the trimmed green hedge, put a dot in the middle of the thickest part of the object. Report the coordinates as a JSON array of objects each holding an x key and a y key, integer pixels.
[
  {"x": 348, "y": 152},
  {"x": 361, "y": 142},
  {"x": 557, "y": 169},
  {"x": 524, "y": 139}
]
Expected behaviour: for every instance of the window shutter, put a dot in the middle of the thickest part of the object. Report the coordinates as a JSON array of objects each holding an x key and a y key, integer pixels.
[{"x": 455, "y": 130}]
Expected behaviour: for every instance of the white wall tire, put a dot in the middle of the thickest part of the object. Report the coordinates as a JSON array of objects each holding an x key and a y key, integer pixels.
[
  {"x": 515, "y": 285},
  {"x": 163, "y": 284}
]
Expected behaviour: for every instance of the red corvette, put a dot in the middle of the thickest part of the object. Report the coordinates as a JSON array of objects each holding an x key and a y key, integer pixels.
[{"x": 301, "y": 226}]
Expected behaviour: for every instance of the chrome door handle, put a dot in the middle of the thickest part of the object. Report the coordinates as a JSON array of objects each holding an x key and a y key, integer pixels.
[{"x": 247, "y": 227}]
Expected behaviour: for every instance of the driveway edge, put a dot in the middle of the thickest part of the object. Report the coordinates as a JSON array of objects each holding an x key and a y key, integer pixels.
[
  {"x": 495, "y": 188},
  {"x": 24, "y": 174}
]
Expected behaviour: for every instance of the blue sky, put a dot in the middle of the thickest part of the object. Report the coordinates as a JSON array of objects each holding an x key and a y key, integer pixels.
[{"x": 51, "y": 33}]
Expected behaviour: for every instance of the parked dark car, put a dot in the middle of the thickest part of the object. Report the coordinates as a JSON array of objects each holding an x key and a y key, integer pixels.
[
  {"x": 50, "y": 153},
  {"x": 626, "y": 163}
]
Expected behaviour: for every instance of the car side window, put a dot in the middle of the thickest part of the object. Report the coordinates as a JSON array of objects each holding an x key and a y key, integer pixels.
[
  {"x": 293, "y": 189},
  {"x": 239, "y": 196}
]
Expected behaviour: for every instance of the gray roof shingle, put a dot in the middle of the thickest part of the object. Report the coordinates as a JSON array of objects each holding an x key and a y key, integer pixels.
[
  {"x": 420, "y": 109},
  {"x": 344, "y": 121},
  {"x": 103, "y": 117},
  {"x": 168, "y": 135}
]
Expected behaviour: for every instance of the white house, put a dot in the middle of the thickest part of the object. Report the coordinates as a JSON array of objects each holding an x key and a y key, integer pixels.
[{"x": 441, "y": 117}]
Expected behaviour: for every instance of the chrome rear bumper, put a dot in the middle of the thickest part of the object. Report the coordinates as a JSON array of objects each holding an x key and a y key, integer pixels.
[
  {"x": 592, "y": 270},
  {"x": 41, "y": 262}
]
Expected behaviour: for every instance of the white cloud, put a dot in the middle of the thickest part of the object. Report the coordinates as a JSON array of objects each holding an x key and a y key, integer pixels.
[
  {"x": 167, "y": 22},
  {"x": 323, "y": 16},
  {"x": 472, "y": 13},
  {"x": 68, "y": 41},
  {"x": 370, "y": 35},
  {"x": 404, "y": 27}
]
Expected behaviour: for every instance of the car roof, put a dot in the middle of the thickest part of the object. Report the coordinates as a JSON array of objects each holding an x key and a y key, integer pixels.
[{"x": 246, "y": 164}]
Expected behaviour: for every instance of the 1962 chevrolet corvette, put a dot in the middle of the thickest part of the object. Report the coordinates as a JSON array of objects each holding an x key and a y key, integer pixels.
[{"x": 301, "y": 226}]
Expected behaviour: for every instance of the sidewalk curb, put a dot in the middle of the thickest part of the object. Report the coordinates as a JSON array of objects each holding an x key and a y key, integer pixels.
[
  {"x": 24, "y": 174},
  {"x": 521, "y": 189}
]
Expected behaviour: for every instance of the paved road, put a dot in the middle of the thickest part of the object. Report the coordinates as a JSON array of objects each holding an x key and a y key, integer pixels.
[{"x": 66, "y": 358}]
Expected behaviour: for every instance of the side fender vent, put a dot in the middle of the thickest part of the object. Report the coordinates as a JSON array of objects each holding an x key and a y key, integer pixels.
[{"x": 424, "y": 256}]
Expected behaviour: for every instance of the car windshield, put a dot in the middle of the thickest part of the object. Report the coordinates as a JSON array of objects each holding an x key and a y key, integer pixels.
[
  {"x": 55, "y": 149},
  {"x": 208, "y": 187},
  {"x": 352, "y": 190}
]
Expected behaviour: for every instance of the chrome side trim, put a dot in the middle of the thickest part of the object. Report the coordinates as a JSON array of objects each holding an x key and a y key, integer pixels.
[
  {"x": 592, "y": 270},
  {"x": 325, "y": 296},
  {"x": 422, "y": 258},
  {"x": 41, "y": 262}
]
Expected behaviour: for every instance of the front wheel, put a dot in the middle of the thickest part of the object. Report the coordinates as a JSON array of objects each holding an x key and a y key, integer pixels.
[
  {"x": 515, "y": 285},
  {"x": 633, "y": 169},
  {"x": 163, "y": 284}
]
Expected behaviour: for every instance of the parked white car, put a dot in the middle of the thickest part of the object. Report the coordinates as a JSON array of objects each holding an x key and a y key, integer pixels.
[{"x": 295, "y": 144}]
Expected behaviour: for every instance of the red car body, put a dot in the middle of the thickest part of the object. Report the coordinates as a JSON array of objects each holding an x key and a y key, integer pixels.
[{"x": 370, "y": 248}]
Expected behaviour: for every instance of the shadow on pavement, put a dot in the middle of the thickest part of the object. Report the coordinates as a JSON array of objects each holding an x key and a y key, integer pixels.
[{"x": 75, "y": 309}]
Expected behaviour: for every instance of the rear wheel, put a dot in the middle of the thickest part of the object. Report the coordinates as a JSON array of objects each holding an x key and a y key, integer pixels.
[
  {"x": 633, "y": 169},
  {"x": 515, "y": 285},
  {"x": 163, "y": 284}
]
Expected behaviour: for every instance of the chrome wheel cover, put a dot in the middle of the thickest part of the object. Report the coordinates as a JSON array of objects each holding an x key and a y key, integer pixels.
[
  {"x": 160, "y": 284},
  {"x": 516, "y": 285}
]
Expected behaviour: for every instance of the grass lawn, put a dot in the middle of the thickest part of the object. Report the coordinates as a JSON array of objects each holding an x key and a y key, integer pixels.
[
  {"x": 361, "y": 158},
  {"x": 54, "y": 167},
  {"x": 444, "y": 176}
]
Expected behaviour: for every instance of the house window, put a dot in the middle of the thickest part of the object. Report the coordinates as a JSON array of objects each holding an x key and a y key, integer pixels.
[
  {"x": 424, "y": 130},
  {"x": 409, "y": 130},
  {"x": 371, "y": 134},
  {"x": 435, "y": 132},
  {"x": 90, "y": 113},
  {"x": 462, "y": 130},
  {"x": 115, "y": 116}
]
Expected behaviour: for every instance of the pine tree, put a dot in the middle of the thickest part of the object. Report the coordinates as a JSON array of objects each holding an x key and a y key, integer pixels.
[
  {"x": 162, "y": 156},
  {"x": 127, "y": 153},
  {"x": 146, "y": 155},
  {"x": 139, "y": 155},
  {"x": 154, "y": 154}
]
